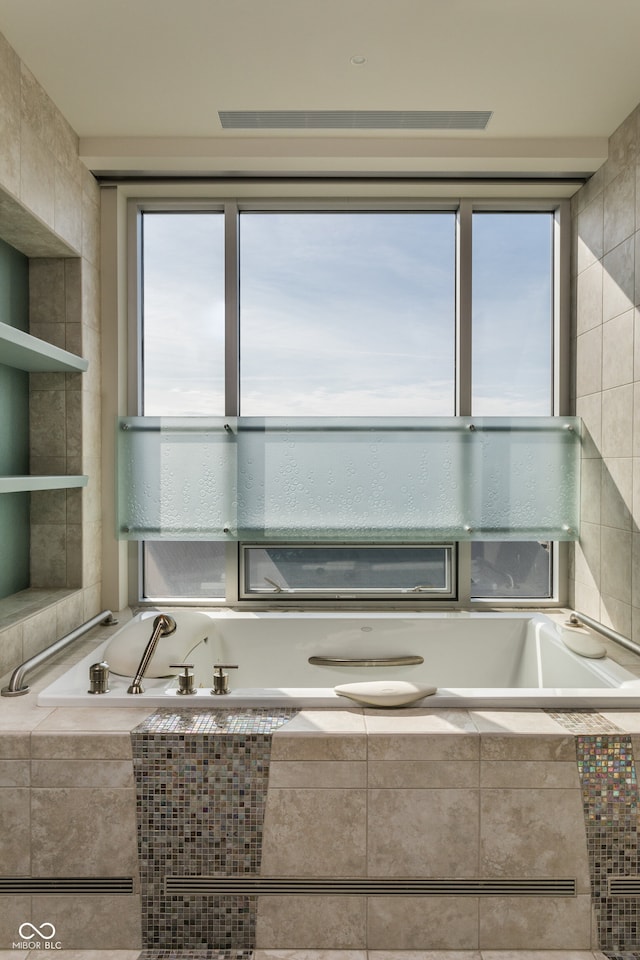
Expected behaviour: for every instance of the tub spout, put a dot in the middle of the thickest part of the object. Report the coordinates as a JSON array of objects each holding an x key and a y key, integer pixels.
[{"x": 163, "y": 625}]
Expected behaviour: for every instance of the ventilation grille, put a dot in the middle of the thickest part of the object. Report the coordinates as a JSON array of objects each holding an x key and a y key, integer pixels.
[
  {"x": 364, "y": 886},
  {"x": 624, "y": 887},
  {"x": 354, "y": 119},
  {"x": 65, "y": 886}
]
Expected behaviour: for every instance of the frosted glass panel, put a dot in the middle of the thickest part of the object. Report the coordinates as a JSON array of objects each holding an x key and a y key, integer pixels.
[
  {"x": 176, "y": 478},
  {"x": 361, "y": 480}
]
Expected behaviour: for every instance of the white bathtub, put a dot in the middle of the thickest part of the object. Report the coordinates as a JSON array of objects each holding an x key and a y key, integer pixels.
[{"x": 474, "y": 659}]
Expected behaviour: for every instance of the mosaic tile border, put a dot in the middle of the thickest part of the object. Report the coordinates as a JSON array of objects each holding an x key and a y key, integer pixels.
[
  {"x": 201, "y": 784},
  {"x": 610, "y": 800},
  {"x": 583, "y": 721},
  {"x": 261, "y": 720},
  {"x": 205, "y": 954}
]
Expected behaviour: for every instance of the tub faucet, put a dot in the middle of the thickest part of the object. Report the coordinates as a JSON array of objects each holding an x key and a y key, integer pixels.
[{"x": 163, "y": 626}]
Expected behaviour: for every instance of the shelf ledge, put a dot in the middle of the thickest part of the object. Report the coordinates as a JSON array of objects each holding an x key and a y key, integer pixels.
[
  {"x": 25, "y": 352},
  {"x": 26, "y": 483}
]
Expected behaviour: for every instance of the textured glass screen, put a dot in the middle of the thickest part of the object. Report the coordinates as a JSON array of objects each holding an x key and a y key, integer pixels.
[{"x": 389, "y": 480}]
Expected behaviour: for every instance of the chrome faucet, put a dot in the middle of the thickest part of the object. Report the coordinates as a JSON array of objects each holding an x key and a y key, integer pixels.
[{"x": 163, "y": 626}]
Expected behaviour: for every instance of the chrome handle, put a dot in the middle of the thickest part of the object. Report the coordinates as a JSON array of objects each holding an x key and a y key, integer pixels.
[
  {"x": 366, "y": 662},
  {"x": 186, "y": 684},
  {"x": 220, "y": 679}
]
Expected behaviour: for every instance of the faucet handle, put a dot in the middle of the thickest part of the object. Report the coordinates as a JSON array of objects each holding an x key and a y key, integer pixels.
[
  {"x": 220, "y": 679},
  {"x": 185, "y": 680}
]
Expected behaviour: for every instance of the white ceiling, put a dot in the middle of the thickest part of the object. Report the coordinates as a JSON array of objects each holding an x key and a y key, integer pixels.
[{"x": 141, "y": 81}]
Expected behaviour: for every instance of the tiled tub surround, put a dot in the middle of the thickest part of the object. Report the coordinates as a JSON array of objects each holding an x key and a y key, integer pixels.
[
  {"x": 201, "y": 781},
  {"x": 352, "y": 793},
  {"x": 420, "y": 794}
]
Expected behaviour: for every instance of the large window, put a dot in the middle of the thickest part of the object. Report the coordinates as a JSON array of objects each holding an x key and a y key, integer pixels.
[{"x": 346, "y": 312}]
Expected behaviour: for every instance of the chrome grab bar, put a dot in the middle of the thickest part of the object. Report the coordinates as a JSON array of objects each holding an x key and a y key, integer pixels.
[
  {"x": 15, "y": 686},
  {"x": 366, "y": 661},
  {"x": 575, "y": 619}
]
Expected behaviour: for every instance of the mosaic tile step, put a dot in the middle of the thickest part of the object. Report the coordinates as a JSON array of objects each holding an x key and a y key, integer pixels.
[
  {"x": 583, "y": 721},
  {"x": 215, "y": 722},
  {"x": 201, "y": 782}
]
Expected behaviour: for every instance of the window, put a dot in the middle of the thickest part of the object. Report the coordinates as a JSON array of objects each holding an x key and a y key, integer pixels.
[
  {"x": 512, "y": 368},
  {"x": 346, "y": 312},
  {"x": 348, "y": 570}
]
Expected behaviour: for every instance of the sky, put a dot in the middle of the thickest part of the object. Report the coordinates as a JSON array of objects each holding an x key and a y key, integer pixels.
[{"x": 346, "y": 314}]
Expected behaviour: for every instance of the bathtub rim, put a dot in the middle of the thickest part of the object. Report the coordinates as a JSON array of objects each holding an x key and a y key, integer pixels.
[{"x": 163, "y": 692}]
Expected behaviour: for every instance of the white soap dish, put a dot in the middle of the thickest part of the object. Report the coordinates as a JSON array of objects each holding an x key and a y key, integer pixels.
[
  {"x": 583, "y": 642},
  {"x": 385, "y": 693}
]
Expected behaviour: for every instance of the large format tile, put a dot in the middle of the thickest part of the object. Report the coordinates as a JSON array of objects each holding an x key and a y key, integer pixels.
[
  {"x": 618, "y": 288},
  {"x": 15, "y": 773},
  {"x": 316, "y": 833},
  {"x": 551, "y": 923},
  {"x": 82, "y": 773},
  {"x": 94, "y": 923},
  {"x": 309, "y": 955},
  {"x": 533, "y": 833},
  {"x": 528, "y": 774},
  {"x": 15, "y": 746},
  {"x": 311, "y": 923},
  {"x": 589, "y": 296},
  {"x": 83, "y": 832},
  {"x": 427, "y": 774},
  {"x": 425, "y": 955},
  {"x": 421, "y": 735},
  {"x": 14, "y": 911},
  {"x": 94, "y": 719},
  {"x": 423, "y": 833},
  {"x": 322, "y": 735},
  {"x": 619, "y": 208},
  {"x": 78, "y": 745},
  {"x": 422, "y": 923},
  {"x": 15, "y": 818},
  {"x": 317, "y": 774}
]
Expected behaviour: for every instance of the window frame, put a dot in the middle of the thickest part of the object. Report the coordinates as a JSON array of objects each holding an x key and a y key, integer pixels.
[
  {"x": 447, "y": 592},
  {"x": 231, "y": 202}
]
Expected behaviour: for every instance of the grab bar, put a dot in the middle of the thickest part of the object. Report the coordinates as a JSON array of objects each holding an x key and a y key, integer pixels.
[
  {"x": 15, "y": 686},
  {"x": 575, "y": 619},
  {"x": 366, "y": 662}
]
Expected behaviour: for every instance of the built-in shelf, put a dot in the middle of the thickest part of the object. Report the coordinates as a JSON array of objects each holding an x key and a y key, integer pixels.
[
  {"x": 21, "y": 350},
  {"x": 26, "y": 483}
]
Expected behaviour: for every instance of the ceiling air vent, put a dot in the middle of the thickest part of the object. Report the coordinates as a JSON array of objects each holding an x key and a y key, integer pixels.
[{"x": 354, "y": 119}]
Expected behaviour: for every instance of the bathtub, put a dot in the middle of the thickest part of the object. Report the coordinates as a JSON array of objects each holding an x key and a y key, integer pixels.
[{"x": 514, "y": 660}]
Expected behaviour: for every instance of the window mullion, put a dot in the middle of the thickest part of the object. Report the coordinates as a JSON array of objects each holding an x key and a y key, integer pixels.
[
  {"x": 463, "y": 309},
  {"x": 463, "y": 363},
  {"x": 232, "y": 309}
]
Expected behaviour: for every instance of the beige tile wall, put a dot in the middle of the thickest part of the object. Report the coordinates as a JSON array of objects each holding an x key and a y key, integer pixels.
[
  {"x": 426, "y": 795},
  {"x": 49, "y": 209},
  {"x": 605, "y": 573},
  {"x": 71, "y": 802}
]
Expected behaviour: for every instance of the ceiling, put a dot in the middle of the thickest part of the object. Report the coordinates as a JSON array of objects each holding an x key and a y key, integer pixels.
[{"x": 142, "y": 81}]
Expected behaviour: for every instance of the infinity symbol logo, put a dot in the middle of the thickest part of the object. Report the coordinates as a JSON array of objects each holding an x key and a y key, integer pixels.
[{"x": 36, "y": 932}]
